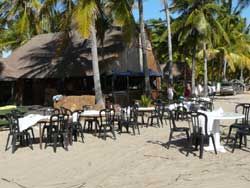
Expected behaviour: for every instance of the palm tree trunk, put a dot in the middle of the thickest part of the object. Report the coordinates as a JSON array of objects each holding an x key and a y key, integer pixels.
[
  {"x": 193, "y": 71},
  {"x": 224, "y": 68},
  {"x": 241, "y": 73},
  {"x": 205, "y": 68},
  {"x": 169, "y": 41},
  {"x": 95, "y": 66},
  {"x": 144, "y": 47}
]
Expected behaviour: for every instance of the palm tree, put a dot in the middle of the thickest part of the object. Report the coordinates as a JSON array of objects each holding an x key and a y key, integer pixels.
[
  {"x": 85, "y": 15},
  {"x": 165, "y": 2},
  {"x": 22, "y": 17},
  {"x": 144, "y": 46},
  {"x": 198, "y": 19}
]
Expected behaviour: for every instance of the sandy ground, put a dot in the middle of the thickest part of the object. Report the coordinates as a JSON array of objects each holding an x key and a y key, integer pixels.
[{"x": 130, "y": 161}]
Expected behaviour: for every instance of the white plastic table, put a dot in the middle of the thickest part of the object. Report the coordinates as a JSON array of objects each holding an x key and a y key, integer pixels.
[{"x": 214, "y": 127}]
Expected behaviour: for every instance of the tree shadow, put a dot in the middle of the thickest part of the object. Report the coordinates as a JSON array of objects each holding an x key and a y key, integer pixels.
[{"x": 69, "y": 57}]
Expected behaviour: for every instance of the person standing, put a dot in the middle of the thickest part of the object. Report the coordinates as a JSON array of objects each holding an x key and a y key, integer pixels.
[
  {"x": 187, "y": 92},
  {"x": 170, "y": 92}
]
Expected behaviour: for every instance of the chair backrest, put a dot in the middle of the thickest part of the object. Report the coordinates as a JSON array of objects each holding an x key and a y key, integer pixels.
[
  {"x": 14, "y": 123},
  {"x": 243, "y": 108},
  {"x": 66, "y": 111},
  {"x": 133, "y": 116},
  {"x": 159, "y": 109},
  {"x": 54, "y": 120},
  {"x": 199, "y": 123},
  {"x": 181, "y": 113},
  {"x": 171, "y": 115},
  {"x": 76, "y": 113},
  {"x": 107, "y": 116},
  {"x": 206, "y": 105}
]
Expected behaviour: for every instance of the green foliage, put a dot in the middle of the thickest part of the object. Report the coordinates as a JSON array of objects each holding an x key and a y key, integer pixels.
[
  {"x": 179, "y": 90},
  {"x": 146, "y": 101}
]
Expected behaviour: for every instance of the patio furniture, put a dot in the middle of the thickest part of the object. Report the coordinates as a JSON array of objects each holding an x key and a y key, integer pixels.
[
  {"x": 200, "y": 131},
  {"x": 174, "y": 127},
  {"x": 107, "y": 121},
  {"x": 240, "y": 133},
  {"x": 90, "y": 119},
  {"x": 59, "y": 131},
  {"x": 243, "y": 108},
  {"x": 76, "y": 125},
  {"x": 156, "y": 115},
  {"x": 17, "y": 134},
  {"x": 129, "y": 119},
  {"x": 213, "y": 126}
]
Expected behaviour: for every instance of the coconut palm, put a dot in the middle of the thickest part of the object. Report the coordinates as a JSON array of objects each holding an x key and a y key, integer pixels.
[
  {"x": 198, "y": 21},
  {"x": 22, "y": 17},
  {"x": 170, "y": 56},
  {"x": 143, "y": 43},
  {"x": 85, "y": 15}
]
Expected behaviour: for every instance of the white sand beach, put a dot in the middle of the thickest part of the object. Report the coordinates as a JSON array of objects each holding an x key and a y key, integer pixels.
[{"x": 139, "y": 161}]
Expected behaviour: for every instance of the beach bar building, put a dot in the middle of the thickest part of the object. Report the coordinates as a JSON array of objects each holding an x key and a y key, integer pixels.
[{"x": 47, "y": 65}]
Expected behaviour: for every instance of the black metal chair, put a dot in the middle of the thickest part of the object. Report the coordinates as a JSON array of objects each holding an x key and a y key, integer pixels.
[
  {"x": 59, "y": 131},
  {"x": 107, "y": 121},
  {"x": 240, "y": 133},
  {"x": 174, "y": 127},
  {"x": 129, "y": 120},
  {"x": 17, "y": 135},
  {"x": 181, "y": 113},
  {"x": 243, "y": 108},
  {"x": 200, "y": 132},
  {"x": 140, "y": 114},
  {"x": 156, "y": 115},
  {"x": 77, "y": 126},
  {"x": 47, "y": 126}
]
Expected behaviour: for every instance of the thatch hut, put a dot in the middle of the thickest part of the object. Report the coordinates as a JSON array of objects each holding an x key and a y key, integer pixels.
[{"x": 47, "y": 65}]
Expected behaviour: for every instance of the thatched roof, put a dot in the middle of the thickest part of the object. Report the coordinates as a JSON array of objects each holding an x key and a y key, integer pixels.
[{"x": 41, "y": 57}]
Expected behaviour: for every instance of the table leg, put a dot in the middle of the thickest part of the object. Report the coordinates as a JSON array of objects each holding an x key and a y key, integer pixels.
[
  {"x": 216, "y": 132},
  {"x": 40, "y": 136}
]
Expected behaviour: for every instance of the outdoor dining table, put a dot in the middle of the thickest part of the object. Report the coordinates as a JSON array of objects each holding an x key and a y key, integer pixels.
[
  {"x": 214, "y": 126},
  {"x": 34, "y": 120}
]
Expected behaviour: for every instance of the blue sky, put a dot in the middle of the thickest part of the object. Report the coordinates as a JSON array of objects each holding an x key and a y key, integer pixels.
[{"x": 152, "y": 9}]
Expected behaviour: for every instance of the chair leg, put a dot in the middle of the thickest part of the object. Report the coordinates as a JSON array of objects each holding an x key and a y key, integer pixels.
[
  {"x": 30, "y": 141},
  {"x": 158, "y": 122},
  {"x": 201, "y": 146},
  {"x": 133, "y": 127},
  {"x": 32, "y": 132},
  {"x": 235, "y": 142},
  {"x": 81, "y": 132},
  {"x": 189, "y": 145},
  {"x": 55, "y": 142},
  {"x": 113, "y": 131},
  {"x": 8, "y": 139},
  {"x": 170, "y": 138},
  {"x": 215, "y": 150},
  {"x": 245, "y": 140},
  {"x": 229, "y": 134},
  {"x": 105, "y": 132},
  {"x": 13, "y": 143},
  {"x": 138, "y": 128},
  {"x": 240, "y": 140}
]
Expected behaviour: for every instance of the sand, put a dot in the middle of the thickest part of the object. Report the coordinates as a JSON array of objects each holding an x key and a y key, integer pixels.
[{"x": 128, "y": 162}]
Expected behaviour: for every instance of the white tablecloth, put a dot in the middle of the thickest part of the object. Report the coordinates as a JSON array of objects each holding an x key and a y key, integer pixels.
[
  {"x": 30, "y": 120},
  {"x": 213, "y": 125},
  {"x": 186, "y": 104}
]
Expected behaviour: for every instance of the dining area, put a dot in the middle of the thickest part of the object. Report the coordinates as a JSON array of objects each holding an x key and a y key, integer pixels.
[{"x": 197, "y": 118}]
